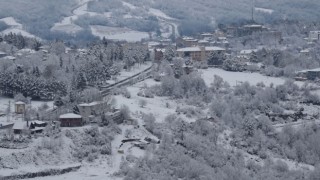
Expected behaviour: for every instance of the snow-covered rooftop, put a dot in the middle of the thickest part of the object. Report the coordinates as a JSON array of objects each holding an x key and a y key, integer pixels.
[
  {"x": 37, "y": 122},
  {"x": 248, "y": 51},
  {"x": 203, "y": 41},
  {"x": 19, "y": 125},
  {"x": 10, "y": 57},
  {"x": 20, "y": 103},
  {"x": 90, "y": 104},
  {"x": 194, "y": 49},
  {"x": 70, "y": 116},
  {"x": 309, "y": 70},
  {"x": 206, "y": 34},
  {"x": 305, "y": 51},
  {"x": 161, "y": 49},
  {"x": 253, "y": 26}
]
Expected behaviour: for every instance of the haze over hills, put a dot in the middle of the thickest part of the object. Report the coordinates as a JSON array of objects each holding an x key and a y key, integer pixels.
[{"x": 97, "y": 18}]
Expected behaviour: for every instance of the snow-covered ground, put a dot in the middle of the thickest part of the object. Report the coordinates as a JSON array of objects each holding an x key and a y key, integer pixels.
[
  {"x": 129, "y": 5},
  {"x": 15, "y": 27},
  {"x": 236, "y": 78},
  {"x": 158, "y": 13},
  {"x": 67, "y": 25},
  {"x": 224, "y": 140},
  {"x": 120, "y": 34},
  {"x": 137, "y": 68}
]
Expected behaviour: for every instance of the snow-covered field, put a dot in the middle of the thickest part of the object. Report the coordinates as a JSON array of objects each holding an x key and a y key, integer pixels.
[
  {"x": 15, "y": 27},
  {"x": 67, "y": 25},
  {"x": 156, "y": 105},
  {"x": 158, "y": 13},
  {"x": 236, "y": 78},
  {"x": 120, "y": 34}
]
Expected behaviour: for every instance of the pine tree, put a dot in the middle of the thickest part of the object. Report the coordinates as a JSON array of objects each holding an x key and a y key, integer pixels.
[
  {"x": 37, "y": 72},
  {"x": 60, "y": 62},
  {"x": 81, "y": 81}
]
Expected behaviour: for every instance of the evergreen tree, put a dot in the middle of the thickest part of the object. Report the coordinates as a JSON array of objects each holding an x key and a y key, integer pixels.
[
  {"x": 81, "y": 81},
  {"x": 61, "y": 62},
  {"x": 216, "y": 58}
]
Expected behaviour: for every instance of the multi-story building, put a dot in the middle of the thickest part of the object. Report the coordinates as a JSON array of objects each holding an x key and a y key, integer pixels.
[{"x": 198, "y": 53}]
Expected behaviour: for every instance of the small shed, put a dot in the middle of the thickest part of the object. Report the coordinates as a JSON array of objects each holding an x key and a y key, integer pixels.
[
  {"x": 37, "y": 126},
  {"x": 70, "y": 120},
  {"x": 20, "y": 107},
  {"x": 20, "y": 127}
]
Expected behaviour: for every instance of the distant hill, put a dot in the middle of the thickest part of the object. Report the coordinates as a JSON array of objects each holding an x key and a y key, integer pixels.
[{"x": 49, "y": 19}]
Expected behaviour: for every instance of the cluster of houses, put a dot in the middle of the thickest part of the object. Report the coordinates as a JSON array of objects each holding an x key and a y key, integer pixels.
[
  {"x": 199, "y": 47},
  {"x": 196, "y": 48},
  {"x": 87, "y": 114}
]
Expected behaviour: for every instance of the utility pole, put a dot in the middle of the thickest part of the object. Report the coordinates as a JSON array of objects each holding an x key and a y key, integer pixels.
[
  {"x": 252, "y": 11},
  {"x": 9, "y": 111}
]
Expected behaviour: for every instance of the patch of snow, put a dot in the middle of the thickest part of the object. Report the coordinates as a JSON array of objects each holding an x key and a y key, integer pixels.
[
  {"x": 119, "y": 34},
  {"x": 193, "y": 49},
  {"x": 10, "y": 21},
  {"x": 70, "y": 116},
  {"x": 159, "y": 13},
  {"x": 236, "y": 78},
  {"x": 130, "y": 6},
  {"x": 264, "y": 10},
  {"x": 67, "y": 24},
  {"x": 15, "y": 27}
]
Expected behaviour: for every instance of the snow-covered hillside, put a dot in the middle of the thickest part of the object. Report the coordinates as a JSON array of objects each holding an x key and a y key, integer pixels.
[{"x": 15, "y": 27}]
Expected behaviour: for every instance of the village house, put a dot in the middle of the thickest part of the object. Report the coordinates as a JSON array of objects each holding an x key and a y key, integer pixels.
[
  {"x": 305, "y": 52},
  {"x": 94, "y": 108},
  {"x": 198, "y": 53},
  {"x": 186, "y": 42},
  {"x": 2, "y": 54},
  {"x": 314, "y": 35},
  {"x": 70, "y": 120},
  {"x": 207, "y": 35},
  {"x": 20, "y": 127},
  {"x": 246, "y": 53},
  {"x": 20, "y": 107},
  {"x": 203, "y": 43},
  {"x": 309, "y": 74},
  {"x": 37, "y": 126},
  {"x": 24, "y": 127}
]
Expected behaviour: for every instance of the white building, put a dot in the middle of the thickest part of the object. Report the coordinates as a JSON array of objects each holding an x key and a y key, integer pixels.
[
  {"x": 94, "y": 108},
  {"x": 314, "y": 35}
]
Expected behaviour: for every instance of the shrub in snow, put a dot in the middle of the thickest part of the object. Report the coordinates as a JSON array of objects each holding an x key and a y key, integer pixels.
[
  {"x": 315, "y": 174},
  {"x": 281, "y": 166},
  {"x": 252, "y": 68},
  {"x": 149, "y": 121},
  {"x": 170, "y": 118},
  {"x": 106, "y": 149},
  {"x": 146, "y": 93},
  {"x": 273, "y": 71},
  {"x": 142, "y": 103},
  {"x": 232, "y": 65},
  {"x": 92, "y": 157},
  {"x": 131, "y": 158},
  {"x": 125, "y": 112}
]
